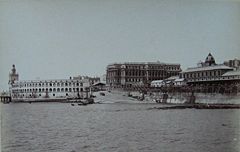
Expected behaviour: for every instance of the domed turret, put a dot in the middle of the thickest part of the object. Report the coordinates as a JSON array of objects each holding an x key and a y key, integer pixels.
[
  {"x": 13, "y": 69},
  {"x": 210, "y": 60}
]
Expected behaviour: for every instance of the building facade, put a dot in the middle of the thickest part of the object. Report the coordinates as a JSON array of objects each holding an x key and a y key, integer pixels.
[
  {"x": 122, "y": 75},
  {"x": 214, "y": 76},
  {"x": 171, "y": 81},
  {"x": 235, "y": 63},
  {"x": 47, "y": 89}
]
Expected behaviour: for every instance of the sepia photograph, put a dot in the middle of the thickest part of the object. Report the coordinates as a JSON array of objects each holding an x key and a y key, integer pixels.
[{"x": 120, "y": 75}]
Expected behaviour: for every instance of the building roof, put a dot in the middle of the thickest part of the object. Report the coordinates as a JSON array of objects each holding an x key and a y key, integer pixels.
[
  {"x": 99, "y": 84},
  {"x": 232, "y": 73},
  {"x": 155, "y": 81},
  {"x": 179, "y": 80},
  {"x": 51, "y": 80},
  {"x": 143, "y": 63},
  {"x": 172, "y": 78},
  {"x": 210, "y": 60},
  {"x": 206, "y": 68}
]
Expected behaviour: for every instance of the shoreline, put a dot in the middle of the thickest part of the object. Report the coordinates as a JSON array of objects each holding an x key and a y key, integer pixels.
[{"x": 173, "y": 98}]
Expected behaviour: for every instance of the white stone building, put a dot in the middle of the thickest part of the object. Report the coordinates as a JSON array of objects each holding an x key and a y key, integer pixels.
[{"x": 47, "y": 89}]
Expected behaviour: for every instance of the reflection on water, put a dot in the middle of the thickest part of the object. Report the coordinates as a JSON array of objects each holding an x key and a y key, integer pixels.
[{"x": 117, "y": 126}]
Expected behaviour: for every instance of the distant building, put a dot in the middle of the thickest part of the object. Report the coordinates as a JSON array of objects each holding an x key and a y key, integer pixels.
[
  {"x": 92, "y": 80},
  {"x": 211, "y": 74},
  {"x": 171, "y": 81},
  {"x": 123, "y": 75},
  {"x": 47, "y": 89},
  {"x": 103, "y": 78},
  {"x": 157, "y": 83},
  {"x": 235, "y": 63},
  {"x": 180, "y": 82}
]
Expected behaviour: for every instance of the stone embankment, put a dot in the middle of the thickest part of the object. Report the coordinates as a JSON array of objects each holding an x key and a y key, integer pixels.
[{"x": 199, "y": 106}]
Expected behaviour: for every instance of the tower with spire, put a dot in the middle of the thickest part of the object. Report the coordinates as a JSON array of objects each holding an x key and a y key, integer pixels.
[{"x": 13, "y": 75}]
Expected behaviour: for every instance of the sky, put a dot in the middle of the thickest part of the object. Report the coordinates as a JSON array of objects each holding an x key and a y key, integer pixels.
[{"x": 50, "y": 39}]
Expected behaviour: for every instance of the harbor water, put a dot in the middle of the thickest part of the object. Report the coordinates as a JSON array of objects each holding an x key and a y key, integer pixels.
[{"x": 119, "y": 124}]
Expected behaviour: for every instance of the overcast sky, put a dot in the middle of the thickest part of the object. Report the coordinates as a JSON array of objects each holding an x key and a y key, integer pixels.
[{"x": 61, "y": 38}]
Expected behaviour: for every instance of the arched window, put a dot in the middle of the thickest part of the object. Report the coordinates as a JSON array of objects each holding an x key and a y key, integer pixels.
[
  {"x": 77, "y": 84},
  {"x": 62, "y": 89},
  {"x": 50, "y": 84},
  {"x": 50, "y": 89},
  {"x": 66, "y": 84},
  {"x": 58, "y": 84},
  {"x": 58, "y": 89},
  {"x": 54, "y": 89},
  {"x": 66, "y": 89},
  {"x": 39, "y": 90},
  {"x": 70, "y": 89}
]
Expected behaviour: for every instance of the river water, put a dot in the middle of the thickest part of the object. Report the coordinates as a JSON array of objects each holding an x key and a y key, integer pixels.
[{"x": 118, "y": 124}]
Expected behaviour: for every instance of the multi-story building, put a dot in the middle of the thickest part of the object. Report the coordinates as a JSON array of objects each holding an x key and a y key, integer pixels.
[
  {"x": 211, "y": 74},
  {"x": 92, "y": 80},
  {"x": 46, "y": 89},
  {"x": 138, "y": 73},
  {"x": 235, "y": 63}
]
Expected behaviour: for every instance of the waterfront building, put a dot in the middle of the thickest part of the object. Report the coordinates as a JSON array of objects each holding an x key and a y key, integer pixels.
[
  {"x": 212, "y": 75},
  {"x": 171, "y": 81},
  {"x": 5, "y": 97},
  {"x": 92, "y": 80},
  {"x": 157, "y": 83},
  {"x": 129, "y": 74},
  {"x": 180, "y": 82},
  {"x": 47, "y": 89}
]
